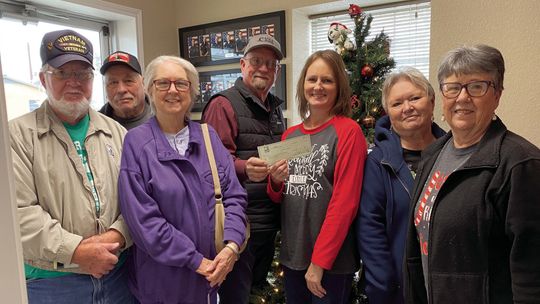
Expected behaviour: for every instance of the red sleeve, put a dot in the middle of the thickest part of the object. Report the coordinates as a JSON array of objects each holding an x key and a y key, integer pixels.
[
  {"x": 343, "y": 205},
  {"x": 220, "y": 115},
  {"x": 276, "y": 196}
]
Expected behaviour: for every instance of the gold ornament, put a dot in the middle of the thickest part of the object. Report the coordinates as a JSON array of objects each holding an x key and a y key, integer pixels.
[{"x": 368, "y": 122}]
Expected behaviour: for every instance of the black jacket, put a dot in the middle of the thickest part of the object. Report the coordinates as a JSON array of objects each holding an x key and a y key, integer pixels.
[
  {"x": 129, "y": 123},
  {"x": 484, "y": 244}
]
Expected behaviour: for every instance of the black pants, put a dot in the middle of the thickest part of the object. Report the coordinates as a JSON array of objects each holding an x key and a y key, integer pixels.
[
  {"x": 337, "y": 286},
  {"x": 251, "y": 269}
]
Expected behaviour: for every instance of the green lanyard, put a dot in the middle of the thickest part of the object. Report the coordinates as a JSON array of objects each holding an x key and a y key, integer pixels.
[{"x": 77, "y": 133}]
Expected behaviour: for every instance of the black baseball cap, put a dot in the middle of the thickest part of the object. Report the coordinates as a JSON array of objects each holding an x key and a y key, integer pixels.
[
  {"x": 60, "y": 47},
  {"x": 121, "y": 58}
]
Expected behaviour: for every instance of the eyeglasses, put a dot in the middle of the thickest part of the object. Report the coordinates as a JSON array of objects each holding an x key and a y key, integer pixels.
[
  {"x": 65, "y": 75},
  {"x": 164, "y": 84},
  {"x": 474, "y": 88},
  {"x": 257, "y": 62}
]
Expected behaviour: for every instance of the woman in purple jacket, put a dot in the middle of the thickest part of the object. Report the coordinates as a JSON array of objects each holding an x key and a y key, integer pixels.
[{"x": 167, "y": 195}]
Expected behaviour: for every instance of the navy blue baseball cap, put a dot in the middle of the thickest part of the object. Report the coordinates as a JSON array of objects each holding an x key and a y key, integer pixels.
[{"x": 60, "y": 47}]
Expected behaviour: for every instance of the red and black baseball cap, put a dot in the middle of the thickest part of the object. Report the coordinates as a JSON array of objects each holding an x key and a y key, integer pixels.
[
  {"x": 60, "y": 47},
  {"x": 120, "y": 58}
]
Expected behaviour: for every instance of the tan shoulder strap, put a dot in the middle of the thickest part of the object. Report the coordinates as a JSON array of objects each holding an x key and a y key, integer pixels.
[{"x": 212, "y": 160}]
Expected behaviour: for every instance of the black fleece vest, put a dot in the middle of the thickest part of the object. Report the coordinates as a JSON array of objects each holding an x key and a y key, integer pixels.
[{"x": 256, "y": 126}]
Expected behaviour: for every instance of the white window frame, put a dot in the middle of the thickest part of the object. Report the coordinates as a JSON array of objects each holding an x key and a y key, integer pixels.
[
  {"x": 119, "y": 27},
  {"x": 37, "y": 13},
  {"x": 13, "y": 288}
]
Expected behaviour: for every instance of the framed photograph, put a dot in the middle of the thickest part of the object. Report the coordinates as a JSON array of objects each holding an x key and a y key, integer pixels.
[
  {"x": 224, "y": 41},
  {"x": 213, "y": 82}
]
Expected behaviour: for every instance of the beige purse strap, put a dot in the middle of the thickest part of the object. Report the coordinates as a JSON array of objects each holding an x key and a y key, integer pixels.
[{"x": 212, "y": 160}]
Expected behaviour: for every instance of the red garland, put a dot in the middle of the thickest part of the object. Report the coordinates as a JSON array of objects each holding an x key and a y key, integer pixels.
[
  {"x": 355, "y": 102},
  {"x": 354, "y": 10}
]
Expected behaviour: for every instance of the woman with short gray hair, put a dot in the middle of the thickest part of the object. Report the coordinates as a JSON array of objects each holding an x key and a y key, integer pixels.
[
  {"x": 474, "y": 233},
  {"x": 408, "y": 99}
]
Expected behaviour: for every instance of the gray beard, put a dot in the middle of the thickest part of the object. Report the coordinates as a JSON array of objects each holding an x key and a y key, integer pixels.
[
  {"x": 260, "y": 84},
  {"x": 72, "y": 110}
]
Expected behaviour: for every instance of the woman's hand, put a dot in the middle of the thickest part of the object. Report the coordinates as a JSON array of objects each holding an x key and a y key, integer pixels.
[
  {"x": 221, "y": 266},
  {"x": 279, "y": 172},
  {"x": 203, "y": 268},
  {"x": 313, "y": 277}
]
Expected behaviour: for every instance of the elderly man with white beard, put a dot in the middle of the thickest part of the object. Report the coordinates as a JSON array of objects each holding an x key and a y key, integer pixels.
[{"x": 66, "y": 160}]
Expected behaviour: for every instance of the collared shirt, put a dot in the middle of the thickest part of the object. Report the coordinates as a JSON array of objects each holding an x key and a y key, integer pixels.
[{"x": 179, "y": 141}]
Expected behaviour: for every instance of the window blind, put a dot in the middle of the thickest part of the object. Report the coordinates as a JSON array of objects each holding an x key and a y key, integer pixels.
[{"x": 407, "y": 25}]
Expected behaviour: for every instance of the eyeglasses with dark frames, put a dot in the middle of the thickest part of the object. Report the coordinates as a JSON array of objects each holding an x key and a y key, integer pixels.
[
  {"x": 83, "y": 75},
  {"x": 181, "y": 85},
  {"x": 257, "y": 62},
  {"x": 477, "y": 88}
]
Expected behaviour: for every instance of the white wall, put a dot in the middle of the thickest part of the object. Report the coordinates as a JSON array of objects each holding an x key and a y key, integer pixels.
[{"x": 511, "y": 26}]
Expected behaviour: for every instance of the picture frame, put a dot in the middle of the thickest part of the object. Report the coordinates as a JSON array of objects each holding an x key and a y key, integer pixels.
[
  {"x": 224, "y": 41},
  {"x": 213, "y": 82}
]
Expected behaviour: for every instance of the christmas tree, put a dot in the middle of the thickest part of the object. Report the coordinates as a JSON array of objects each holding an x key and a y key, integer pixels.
[
  {"x": 273, "y": 291},
  {"x": 368, "y": 62}
]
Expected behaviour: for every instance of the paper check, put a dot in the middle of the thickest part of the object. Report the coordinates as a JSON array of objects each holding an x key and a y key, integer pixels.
[{"x": 287, "y": 149}]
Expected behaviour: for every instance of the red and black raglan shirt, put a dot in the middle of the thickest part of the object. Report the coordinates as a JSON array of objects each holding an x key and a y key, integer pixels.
[{"x": 321, "y": 197}]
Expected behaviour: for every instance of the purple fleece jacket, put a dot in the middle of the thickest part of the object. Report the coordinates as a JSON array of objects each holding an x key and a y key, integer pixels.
[{"x": 167, "y": 201}]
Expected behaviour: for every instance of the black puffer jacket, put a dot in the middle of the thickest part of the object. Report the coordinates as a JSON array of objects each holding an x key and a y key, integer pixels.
[{"x": 256, "y": 126}]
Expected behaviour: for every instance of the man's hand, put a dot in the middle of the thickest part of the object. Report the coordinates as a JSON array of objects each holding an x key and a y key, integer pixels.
[
  {"x": 111, "y": 236},
  {"x": 256, "y": 169},
  {"x": 313, "y": 277},
  {"x": 96, "y": 259}
]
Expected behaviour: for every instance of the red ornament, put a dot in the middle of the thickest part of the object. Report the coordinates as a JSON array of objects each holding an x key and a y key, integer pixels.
[
  {"x": 367, "y": 71},
  {"x": 355, "y": 102},
  {"x": 368, "y": 122},
  {"x": 354, "y": 10}
]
